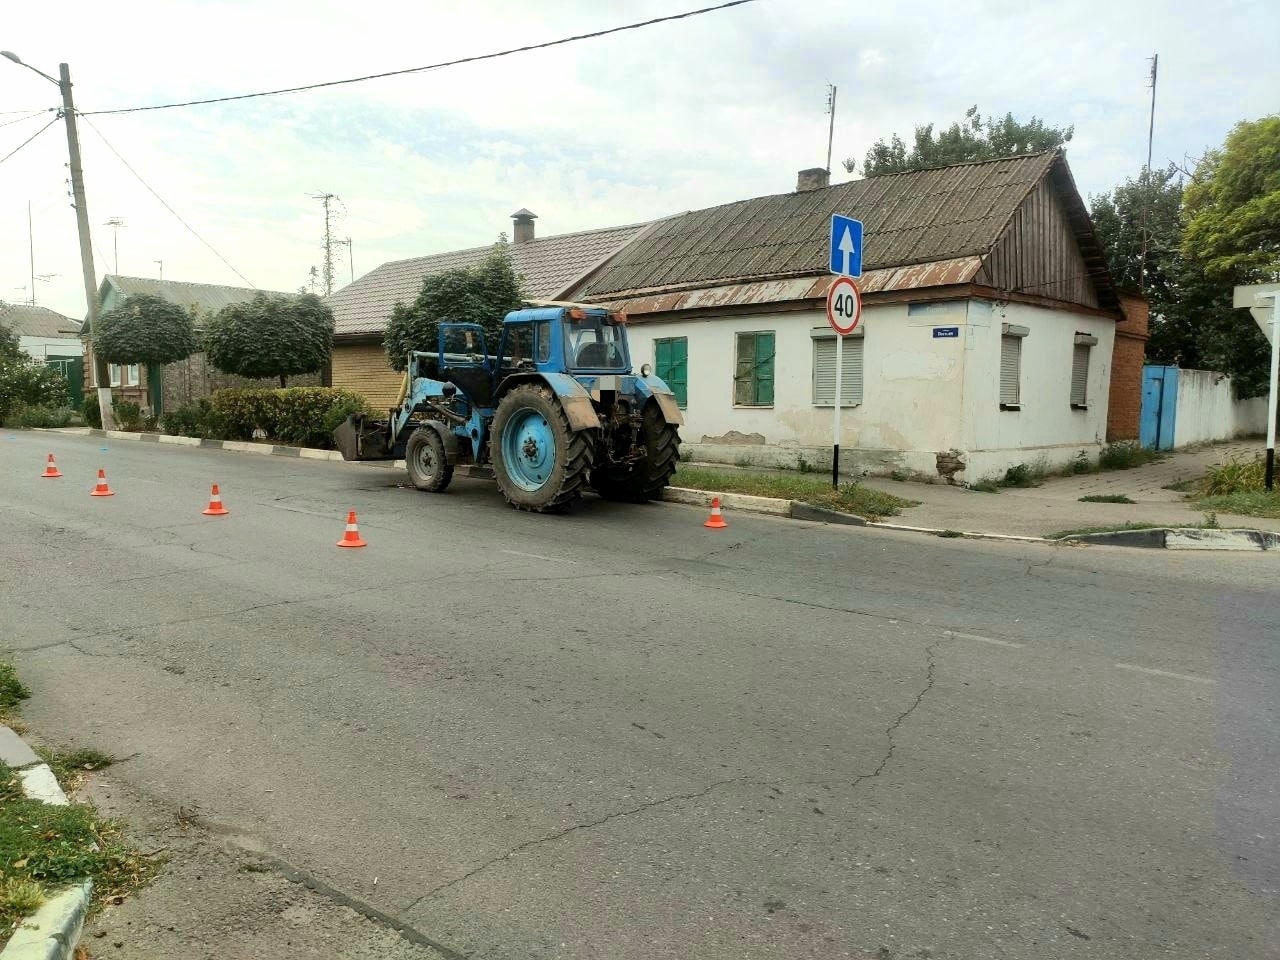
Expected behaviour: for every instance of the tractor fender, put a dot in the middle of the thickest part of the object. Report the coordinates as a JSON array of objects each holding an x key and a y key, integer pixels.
[
  {"x": 657, "y": 389},
  {"x": 447, "y": 437},
  {"x": 573, "y": 397}
]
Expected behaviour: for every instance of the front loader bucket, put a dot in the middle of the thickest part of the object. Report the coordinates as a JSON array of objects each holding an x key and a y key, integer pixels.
[{"x": 359, "y": 438}]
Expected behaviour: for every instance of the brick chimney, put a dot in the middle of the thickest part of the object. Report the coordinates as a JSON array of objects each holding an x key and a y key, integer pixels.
[
  {"x": 815, "y": 178},
  {"x": 523, "y": 221}
]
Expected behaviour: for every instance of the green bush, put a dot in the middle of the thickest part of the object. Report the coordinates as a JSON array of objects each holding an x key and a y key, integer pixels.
[
  {"x": 1125, "y": 455},
  {"x": 300, "y": 416},
  {"x": 191, "y": 420},
  {"x": 92, "y": 413},
  {"x": 30, "y": 383},
  {"x": 128, "y": 415},
  {"x": 28, "y": 417}
]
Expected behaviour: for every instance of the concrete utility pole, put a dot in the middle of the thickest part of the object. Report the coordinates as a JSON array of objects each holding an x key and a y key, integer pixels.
[
  {"x": 63, "y": 84},
  {"x": 1254, "y": 298},
  {"x": 831, "y": 126}
]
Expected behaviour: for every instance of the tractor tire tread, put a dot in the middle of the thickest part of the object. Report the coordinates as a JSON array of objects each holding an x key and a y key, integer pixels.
[{"x": 579, "y": 456}]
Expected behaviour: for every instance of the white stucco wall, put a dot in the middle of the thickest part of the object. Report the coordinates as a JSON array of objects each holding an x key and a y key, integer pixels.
[
  {"x": 1208, "y": 409},
  {"x": 922, "y": 395},
  {"x": 41, "y": 347},
  {"x": 1046, "y": 428}
]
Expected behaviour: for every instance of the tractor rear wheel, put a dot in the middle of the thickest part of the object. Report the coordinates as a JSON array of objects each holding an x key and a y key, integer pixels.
[
  {"x": 646, "y": 478},
  {"x": 425, "y": 460},
  {"x": 539, "y": 462}
]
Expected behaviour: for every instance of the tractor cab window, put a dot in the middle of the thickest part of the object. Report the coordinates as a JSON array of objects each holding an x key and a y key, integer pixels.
[
  {"x": 595, "y": 343},
  {"x": 462, "y": 345},
  {"x": 517, "y": 346}
]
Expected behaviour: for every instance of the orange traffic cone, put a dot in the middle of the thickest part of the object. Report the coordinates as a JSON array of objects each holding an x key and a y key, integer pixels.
[
  {"x": 716, "y": 520},
  {"x": 351, "y": 538},
  {"x": 215, "y": 508},
  {"x": 102, "y": 490},
  {"x": 51, "y": 469}
]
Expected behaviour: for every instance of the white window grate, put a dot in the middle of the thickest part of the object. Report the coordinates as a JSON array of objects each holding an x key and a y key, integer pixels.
[
  {"x": 824, "y": 372},
  {"x": 1010, "y": 370}
]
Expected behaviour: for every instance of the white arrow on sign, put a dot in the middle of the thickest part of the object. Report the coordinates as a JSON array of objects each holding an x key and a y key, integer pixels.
[{"x": 846, "y": 247}]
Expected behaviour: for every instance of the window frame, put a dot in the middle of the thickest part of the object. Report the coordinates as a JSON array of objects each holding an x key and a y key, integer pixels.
[
  {"x": 821, "y": 335},
  {"x": 115, "y": 374},
  {"x": 755, "y": 380}
]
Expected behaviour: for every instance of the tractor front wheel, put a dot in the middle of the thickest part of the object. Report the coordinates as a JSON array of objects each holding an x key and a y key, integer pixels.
[
  {"x": 540, "y": 464},
  {"x": 425, "y": 459}
]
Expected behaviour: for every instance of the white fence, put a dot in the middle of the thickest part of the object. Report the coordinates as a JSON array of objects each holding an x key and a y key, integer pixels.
[{"x": 1208, "y": 409}]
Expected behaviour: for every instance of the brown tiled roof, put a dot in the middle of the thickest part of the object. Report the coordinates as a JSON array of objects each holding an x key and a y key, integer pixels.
[
  {"x": 547, "y": 265},
  {"x": 28, "y": 321},
  {"x": 919, "y": 217}
]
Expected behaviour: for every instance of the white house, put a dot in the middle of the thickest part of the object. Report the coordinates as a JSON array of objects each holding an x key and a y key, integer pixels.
[
  {"x": 987, "y": 328},
  {"x": 42, "y": 333}
]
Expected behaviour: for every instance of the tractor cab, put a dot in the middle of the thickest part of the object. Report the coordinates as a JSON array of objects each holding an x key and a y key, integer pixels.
[{"x": 563, "y": 340}]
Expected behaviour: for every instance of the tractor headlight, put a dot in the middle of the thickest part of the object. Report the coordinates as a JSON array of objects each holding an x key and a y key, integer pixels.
[{"x": 645, "y": 370}]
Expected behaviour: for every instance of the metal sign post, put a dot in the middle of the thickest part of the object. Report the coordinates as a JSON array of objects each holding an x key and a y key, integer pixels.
[
  {"x": 844, "y": 311},
  {"x": 1274, "y": 394},
  {"x": 844, "y": 308}
]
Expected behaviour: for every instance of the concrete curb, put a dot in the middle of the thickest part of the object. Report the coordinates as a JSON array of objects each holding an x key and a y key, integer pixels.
[
  {"x": 239, "y": 446},
  {"x": 1182, "y": 538},
  {"x": 53, "y": 931}
]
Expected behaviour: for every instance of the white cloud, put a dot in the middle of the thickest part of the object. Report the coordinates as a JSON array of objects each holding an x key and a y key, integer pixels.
[{"x": 620, "y": 129}]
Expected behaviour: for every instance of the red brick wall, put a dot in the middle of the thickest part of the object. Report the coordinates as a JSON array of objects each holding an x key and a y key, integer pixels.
[{"x": 1127, "y": 359}]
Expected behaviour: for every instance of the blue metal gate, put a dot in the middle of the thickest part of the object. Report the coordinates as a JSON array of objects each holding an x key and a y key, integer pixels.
[{"x": 1159, "y": 407}]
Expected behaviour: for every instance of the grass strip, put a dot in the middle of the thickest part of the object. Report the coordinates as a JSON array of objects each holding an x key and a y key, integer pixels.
[{"x": 851, "y": 498}]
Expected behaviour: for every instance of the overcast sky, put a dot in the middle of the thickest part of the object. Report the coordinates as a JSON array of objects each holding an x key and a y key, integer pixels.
[{"x": 622, "y": 129}]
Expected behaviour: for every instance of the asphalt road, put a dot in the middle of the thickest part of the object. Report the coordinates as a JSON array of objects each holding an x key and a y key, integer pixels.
[{"x": 618, "y": 734}]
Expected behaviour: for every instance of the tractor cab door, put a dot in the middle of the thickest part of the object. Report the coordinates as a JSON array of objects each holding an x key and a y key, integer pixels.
[{"x": 465, "y": 362}]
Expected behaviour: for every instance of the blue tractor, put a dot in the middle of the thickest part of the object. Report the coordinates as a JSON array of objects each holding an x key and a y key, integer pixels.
[{"x": 556, "y": 408}]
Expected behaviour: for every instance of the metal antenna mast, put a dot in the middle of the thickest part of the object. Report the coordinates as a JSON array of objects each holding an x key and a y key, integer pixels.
[
  {"x": 831, "y": 127},
  {"x": 115, "y": 223},
  {"x": 1146, "y": 177},
  {"x": 327, "y": 273}
]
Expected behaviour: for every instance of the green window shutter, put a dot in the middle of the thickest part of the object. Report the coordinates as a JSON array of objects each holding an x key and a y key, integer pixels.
[
  {"x": 744, "y": 380},
  {"x": 671, "y": 364},
  {"x": 764, "y": 369}
]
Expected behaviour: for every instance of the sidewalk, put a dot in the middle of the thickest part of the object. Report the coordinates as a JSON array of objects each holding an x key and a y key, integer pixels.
[{"x": 1055, "y": 505}]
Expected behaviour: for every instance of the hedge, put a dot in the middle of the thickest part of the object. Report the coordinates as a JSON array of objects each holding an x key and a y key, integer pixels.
[{"x": 299, "y": 416}]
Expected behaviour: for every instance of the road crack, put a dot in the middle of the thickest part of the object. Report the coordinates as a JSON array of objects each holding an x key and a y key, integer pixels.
[
  {"x": 561, "y": 834},
  {"x": 929, "y": 675}
]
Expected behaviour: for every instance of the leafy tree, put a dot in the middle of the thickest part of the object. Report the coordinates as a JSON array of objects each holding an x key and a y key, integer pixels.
[
  {"x": 1233, "y": 206},
  {"x": 271, "y": 336},
  {"x": 145, "y": 329},
  {"x": 8, "y": 343},
  {"x": 483, "y": 294},
  {"x": 971, "y": 139},
  {"x": 1192, "y": 321}
]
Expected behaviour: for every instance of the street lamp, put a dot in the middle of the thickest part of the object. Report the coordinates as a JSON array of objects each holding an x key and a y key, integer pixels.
[{"x": 82, "y": 224}]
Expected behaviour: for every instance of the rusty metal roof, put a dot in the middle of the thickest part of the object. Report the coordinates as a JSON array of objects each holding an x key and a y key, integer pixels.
[
  {"x": 546, "y": 266},
  {"x": 921, "y": 217}
]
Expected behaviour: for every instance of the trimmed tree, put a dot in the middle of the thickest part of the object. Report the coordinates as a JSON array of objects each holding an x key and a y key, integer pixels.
[
  {"x": 483, "y": 294},
  {"x": 145, "y": 329},
  {"x": 271, "y": 336}
]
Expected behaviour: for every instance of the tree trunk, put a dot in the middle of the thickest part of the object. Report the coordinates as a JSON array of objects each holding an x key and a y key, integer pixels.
[{"x": 283, "y": 381}]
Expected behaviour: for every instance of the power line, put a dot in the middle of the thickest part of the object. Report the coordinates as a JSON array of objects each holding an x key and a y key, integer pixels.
[
  {"x": 432, "y": 66},
  {"x": 34, "y": 113},
  {"x": 28, "y": 140},
  {"x": 175, "y": 213}
]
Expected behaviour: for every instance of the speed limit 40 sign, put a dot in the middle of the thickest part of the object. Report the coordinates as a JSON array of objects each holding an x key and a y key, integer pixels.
[{"x": 844, "y": 306}]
